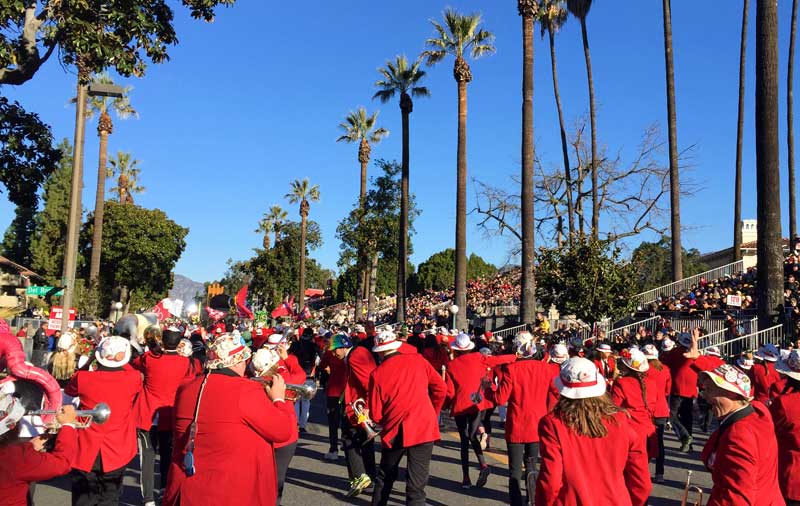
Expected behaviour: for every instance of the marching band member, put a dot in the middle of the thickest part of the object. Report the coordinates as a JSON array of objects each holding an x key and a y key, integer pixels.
[
  {"x": 465, "y": 383},
  {"x": 163, "y": 370},
  {"x": 405, "y": 394},
  {"x": 105, "y": 450},
  {"x": 763, "y": 375},
  {"x": 23, "y": 462},
  {"x": 556, "y": 357},
  {"x": 638, "y": 395},
  {"x": 684, "y": 387},
  {"x": 306, "y": 352},
  {"x": 742, "y": 454},
  {"x": 660, "y": 376},
  {"x": 224, "y": 431},
  {"x": 359, "y": 453},
  {"x": 708, "y": 361},
  {"x": 604, "y": 362},
  {"x": 524, "y": 385},
  {"x": 590, "y": 453},
  {"x": 785, "y": 410},
  {"x": 333, "y": 362}
]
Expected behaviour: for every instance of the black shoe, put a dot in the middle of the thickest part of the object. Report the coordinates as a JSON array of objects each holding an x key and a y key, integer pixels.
[
  {"x": 483, "y": 476},
  {"x": 686, "y": 444}
]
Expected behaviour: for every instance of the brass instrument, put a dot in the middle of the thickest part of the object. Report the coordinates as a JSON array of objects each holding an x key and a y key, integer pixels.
[
  {"x": 83, "y": 417},
  {"x": 691, "y": 488},
  {"x": 486, "y": 382},
  {"x": 444, "y": 372},
  {"x": 363, "y": 419},
  {"x": 304, "y": 391}
]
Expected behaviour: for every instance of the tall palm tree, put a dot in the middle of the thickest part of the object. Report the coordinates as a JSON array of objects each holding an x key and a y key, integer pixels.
[
  {"x": 674, "y": 177},
  {"x": 271, "y": 223},
  {"x": 121, "y": 106},
  {"x": 399, "y": 77},
  {"x": 126, "y": 169},
  {"x": 303, "y": 193},
  {"x": 737, "y": 206},
  {"x": 790, "y": 128},
  {"x": 769, "y": 286},
  {"x": 459, "y": 36},
  {"x": 552, "y": 16},
  {"x": 527, "y": 9},
  {"x": 580, "y": 9},
  {"x": 359, "y": 127}
]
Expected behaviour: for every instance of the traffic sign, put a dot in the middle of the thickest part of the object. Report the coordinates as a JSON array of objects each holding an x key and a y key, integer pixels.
[{"x": 41, "y": 291}]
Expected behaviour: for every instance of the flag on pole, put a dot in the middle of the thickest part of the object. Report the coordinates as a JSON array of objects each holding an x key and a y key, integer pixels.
[
  {"x": 242, "y": 308},
  {"x": 161, "y": 310},
  {"x": 215, "y": 314},
  {"x": 305, "y": 314},
  {"x": 284, "y": 309}
]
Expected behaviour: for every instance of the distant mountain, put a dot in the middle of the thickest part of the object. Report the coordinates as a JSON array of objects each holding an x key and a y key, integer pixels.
[{"x": 186, "y": 289}]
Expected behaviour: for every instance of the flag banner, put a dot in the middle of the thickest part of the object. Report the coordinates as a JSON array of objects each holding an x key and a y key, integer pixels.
[
  {"x": 242, "y": 308},
  {"x": 215, "y": 315},
  {"x": 160, "y": 310}
]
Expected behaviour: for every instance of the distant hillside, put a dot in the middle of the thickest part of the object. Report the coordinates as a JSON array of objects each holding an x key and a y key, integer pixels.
[{"x": 186, "y": 289}]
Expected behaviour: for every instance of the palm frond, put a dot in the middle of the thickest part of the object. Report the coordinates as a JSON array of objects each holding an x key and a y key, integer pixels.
[
  {"x": 420, "y": 92},
  {"x": 384, "y": 95}
]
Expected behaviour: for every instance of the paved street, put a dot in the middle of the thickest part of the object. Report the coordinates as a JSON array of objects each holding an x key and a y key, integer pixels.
[{"x": 314, "y": 481}]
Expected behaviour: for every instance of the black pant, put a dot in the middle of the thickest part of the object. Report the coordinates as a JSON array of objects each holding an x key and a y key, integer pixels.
[
  {"x": 487, "y": 420},
  {"x": 468, "y": 426},
  {"x": 283, "y": 457},
  {"x": 680, "y": 414},
  {"x": 660, "y": 424},
  {"x": 418, "y": 460},
  {"x": 164, "y": 455},
  {"x": 359, "y": 454},
  {"x": 147, "y": 462},
  {"x": 334, "y": 416},
  {"x": 97, "y": 488},
  {"x": 705, "y": 414},
  {"x": 519, "y": 454}
]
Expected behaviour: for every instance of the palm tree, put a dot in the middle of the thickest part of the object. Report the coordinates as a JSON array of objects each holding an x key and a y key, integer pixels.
[
  {"x": 580, "y": 9},
  {"x": 121, "y": 106},
  {"x": 302, "y": 192},
  {"x": 527, "y": 9},
  {"x": 460, "y": 35},
  {"x": 737, "y": 207},
  {"x": 769, "y": 286},
  {"x": 271, "y": 223},
  {"x": 674, "y": 181},
  {"x": 790, "y": 128},
  {"x": 552, "y": 16},
  {"x": 360, "y": 127},
  {"x": 126, "y": 169},
  {"x": 401, "y": 78}
]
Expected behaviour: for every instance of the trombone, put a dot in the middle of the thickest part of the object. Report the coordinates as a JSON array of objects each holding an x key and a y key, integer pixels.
[
  {"x": 83, "y": 417},
  {"x": 691, "y": 488},
  {"x": 304, "y": 391},
  {"x": 363, "y": 419}
]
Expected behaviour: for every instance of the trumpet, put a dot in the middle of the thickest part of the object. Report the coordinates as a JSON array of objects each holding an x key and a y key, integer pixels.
[
  {"x": 363, "y": 419},
  {"x": 84, "y": 417},
  {"x": 304, "y": 391},
  {"x": 691, "y": 488}
]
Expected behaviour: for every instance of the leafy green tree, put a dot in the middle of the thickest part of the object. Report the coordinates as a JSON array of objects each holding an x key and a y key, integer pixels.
[
  {"x": 17, "y": 239},
  {"x": 437, "y": 271},
  {"x": 589, "y": 280},
  {"x": 27, "y": 156},
  {"x": 124, "y": 36},
  {"x": 140, "y": 249},
  {"x": 126, "y": 169},
  {"x": 50, "y": 234},
  {"x": 653, "y": 263},
  {"x": 271, "y": 223},
  {"x": 477, "y": 267}
]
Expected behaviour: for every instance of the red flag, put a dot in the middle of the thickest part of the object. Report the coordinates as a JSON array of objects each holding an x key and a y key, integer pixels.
[
  {"x": 161, "y": 311},
  {"x": 285, "y": 309},
  {"x": 242, "y": 310},
  {"x": 215, "y": 315},
  {"x": 304, "y": 314}
]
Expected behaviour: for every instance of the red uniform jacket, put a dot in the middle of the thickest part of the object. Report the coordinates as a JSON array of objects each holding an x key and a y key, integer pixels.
[
  {"x": 763, "y": 376},
  {"x": 234, "y": 458},
  {"x": 291, "y": 372},
  {"x": 663, "y": 384},
  {"x": 607, "y": 369},
  {"x": 742, "y": 456},
  {"x": 406, "y": 393},
  {"x": 627, "y": 394},
  {"x": 115, "y": 440},
  {"x": 524, "y": 385},
  {"x": 464, "y": 375},
  {"x": 20, "y": 464},
  {"x": 707, "y": 363},
  {"x": 337, "y": 377},
  {"x": 162, "y": 376},
  {"x": 360, "y": 364},
  {"x": 552, "y": 393},
  {"x": 406, "y": 348},
  {"x": 786, "y": 416},
  {"x": 437, "y": 357},
  {"x": 684, "y": 378},
  {"x": 592, "y": 471}
]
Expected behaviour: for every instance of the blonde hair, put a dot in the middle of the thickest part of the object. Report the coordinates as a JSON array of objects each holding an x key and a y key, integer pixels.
[
  {"x": 586, "y": 416},
  {"x": 64, "y": 364}
]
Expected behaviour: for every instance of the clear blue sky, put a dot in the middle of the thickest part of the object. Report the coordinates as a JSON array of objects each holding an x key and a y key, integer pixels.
[{"x": 252, "y": 101}]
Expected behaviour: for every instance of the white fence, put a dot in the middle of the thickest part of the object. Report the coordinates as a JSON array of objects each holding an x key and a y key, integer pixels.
[
  {"x": 673, "y": 288},
  {"x": 734, "y": 347}
]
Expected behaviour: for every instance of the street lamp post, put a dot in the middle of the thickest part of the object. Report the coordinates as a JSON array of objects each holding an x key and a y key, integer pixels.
[
  {"x": 454, "y": 312},
  {"x": 70, "y": 255}
]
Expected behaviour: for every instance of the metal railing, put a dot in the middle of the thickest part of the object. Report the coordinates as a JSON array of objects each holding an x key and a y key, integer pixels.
[
  {"x": 672, "y": 288},
  {"x": 734, "y": 347},
  {"x": 717, "y": 337},
  {"x": 631, "y": 328},
  {"x": 511, "y": 331}
]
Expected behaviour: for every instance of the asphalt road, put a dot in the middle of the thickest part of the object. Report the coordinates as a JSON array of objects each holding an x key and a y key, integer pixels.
[{"x": 312, "y": 480}]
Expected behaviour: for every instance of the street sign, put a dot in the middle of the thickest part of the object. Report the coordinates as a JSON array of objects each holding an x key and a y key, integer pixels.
[{"x": 41, "y": 291}]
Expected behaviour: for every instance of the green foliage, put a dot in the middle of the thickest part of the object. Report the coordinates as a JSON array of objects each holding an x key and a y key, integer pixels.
[
  {"x": 347, "y": 282},
  {"x": 438, "y": 271},
  {"x": 589, "y": 280},
  {"x": 459, "y": 35},
  {"x": 140, "y": 250},
  {"x": 17, "y": 239},
  {"x": 50, "y": 236},
  {"x": 653, "y": 263},
  {"x": 400, "y": 77},
  {"x": 27, "y": 156},
  {"x": 121, "y": 106},
  {"x": 358, "y": 126}
]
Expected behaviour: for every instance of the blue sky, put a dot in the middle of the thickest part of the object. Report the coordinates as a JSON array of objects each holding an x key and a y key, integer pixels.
[{"x": 253, "y": 100}]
